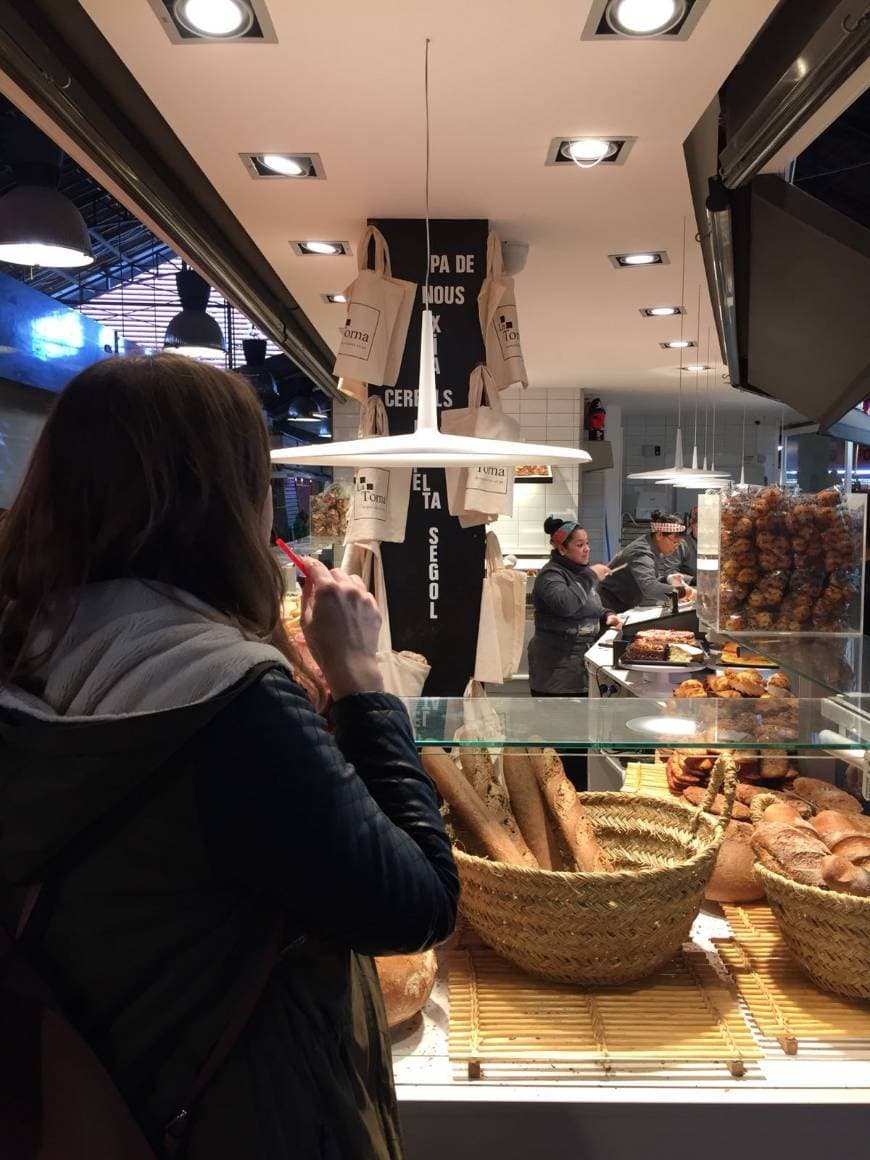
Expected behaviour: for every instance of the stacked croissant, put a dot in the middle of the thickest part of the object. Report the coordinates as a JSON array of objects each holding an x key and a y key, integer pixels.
[
  {"x": 788, "y": 563},
  {"x": 830, "y": 850},
  {"x": 735, "y": 683},
  {"x": 525, "y": 817}
]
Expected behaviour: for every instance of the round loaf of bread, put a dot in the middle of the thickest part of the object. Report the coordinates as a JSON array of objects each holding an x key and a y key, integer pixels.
[
  {"x": 406, "y": 983},
  {"x": 733, "y": 878}
]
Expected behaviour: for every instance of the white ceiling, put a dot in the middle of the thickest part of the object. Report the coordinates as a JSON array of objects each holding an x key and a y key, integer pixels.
[{"x": 346, "y": 80}]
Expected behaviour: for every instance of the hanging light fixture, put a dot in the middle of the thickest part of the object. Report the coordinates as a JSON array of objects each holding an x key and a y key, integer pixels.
[
  {"x": 259, "y": 375},
  {"x": 694, "y": 477},
  {"x": 193, "y": 332},
  {"x": 428, "y": 446},
  {"x": 38, "y": 225}
]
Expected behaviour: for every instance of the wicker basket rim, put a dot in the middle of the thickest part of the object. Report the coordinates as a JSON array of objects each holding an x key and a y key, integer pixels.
[
  {"x": 833, "y": 898},
  {"x": 507, "y": 868}
]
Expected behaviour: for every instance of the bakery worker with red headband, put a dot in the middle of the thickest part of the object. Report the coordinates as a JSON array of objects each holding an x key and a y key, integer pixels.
[
  {"x": 647, "y": 576},
  {"x": 568, "y": 613}
]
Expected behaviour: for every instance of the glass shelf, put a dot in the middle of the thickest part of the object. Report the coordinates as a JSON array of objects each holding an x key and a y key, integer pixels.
[
  {"x": 638, "y": 724},
  {"x": 836, "y": 664}
]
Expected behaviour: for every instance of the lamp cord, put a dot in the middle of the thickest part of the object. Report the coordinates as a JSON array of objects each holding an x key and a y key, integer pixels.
[{"x": 428, "y": 238}]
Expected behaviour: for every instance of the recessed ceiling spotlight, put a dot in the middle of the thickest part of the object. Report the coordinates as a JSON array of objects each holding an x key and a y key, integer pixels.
[
  {"x": 623, "y": 20},
  {"x": 660, "y": 311},
  {"x": 644, "y": 17},
  {"x": 697, "y": 368},
  {"x": 334, "y": 299},
  {"x": 677, "y": 344},
  {"x": 306, "y": 248},
  {"x": 189, "y": 22},
  {"x": 640, "y": 258},
  {"x": 589, "y": 151},
  {"x": 280, "y": 165},
  {"x": 214, "y": 18}
]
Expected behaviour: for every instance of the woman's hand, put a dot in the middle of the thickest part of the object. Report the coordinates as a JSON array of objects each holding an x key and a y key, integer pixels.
[
  {"x": 341, "y": 622},
  {"x": 600, "y": 570},
  {"x": 613, "y": 621}
]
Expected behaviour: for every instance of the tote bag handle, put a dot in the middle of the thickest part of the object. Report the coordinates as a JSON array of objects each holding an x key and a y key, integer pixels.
[
  {"x": 382, "y": 252},
  {"x": 481, "y": 385},
  {"x": 493, "y": 256},
  {"x": 373, "y": 418}
]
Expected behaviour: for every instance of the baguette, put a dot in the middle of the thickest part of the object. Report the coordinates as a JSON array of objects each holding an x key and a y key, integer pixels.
[
  {"x": 478, "y": 768},
  {"x": 469, "y": 809},
  {"x": 800, "y": 852},
  {"x": 529, "y": 810},
  {"x": 566, "y": 811},
  {"x": 840, "y": 875},
  {"x": 825, "y": 796}
]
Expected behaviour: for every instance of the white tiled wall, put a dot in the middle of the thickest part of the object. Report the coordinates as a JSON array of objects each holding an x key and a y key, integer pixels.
[
  {"x": 22, "y": 414},
  {"x": 659, "y": 429},
  {"x": 554, "y": 417}
]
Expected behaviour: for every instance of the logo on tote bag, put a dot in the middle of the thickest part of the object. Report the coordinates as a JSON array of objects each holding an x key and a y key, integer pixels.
[
  {"x": 508, "y": 334},
  {"x": 359, "y": 330},
  {"x": 371, "y": 493}
]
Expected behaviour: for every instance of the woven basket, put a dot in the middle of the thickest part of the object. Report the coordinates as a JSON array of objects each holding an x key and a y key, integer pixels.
[
  {"x": 828, "y": 933},
  {"x": 604, "y": 928}
]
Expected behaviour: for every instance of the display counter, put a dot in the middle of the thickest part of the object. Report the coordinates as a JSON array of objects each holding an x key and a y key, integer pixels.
[{"x": 729, "y": 1047}]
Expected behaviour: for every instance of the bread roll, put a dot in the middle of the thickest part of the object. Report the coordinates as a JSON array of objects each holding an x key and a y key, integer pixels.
[
  {"x": 733, "y": 878},
  {"x": 825, "y": 796},
  {"x": 855, "y": 848},
  {"x": 406, "y": 984},
  {"x": 695, "y": 795},
  {"x": 785, "y": 812},
  {"x": 832, "y": 826},
  {"x": 840, "y": 875},
  {"x": 799, "y": 852}
]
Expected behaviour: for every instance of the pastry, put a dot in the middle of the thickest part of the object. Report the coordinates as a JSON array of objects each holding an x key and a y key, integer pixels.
[
  {"x": 746, "y": 682},
  {"x": 733, "y": 878},
  {"x": 690, "y": 688}
]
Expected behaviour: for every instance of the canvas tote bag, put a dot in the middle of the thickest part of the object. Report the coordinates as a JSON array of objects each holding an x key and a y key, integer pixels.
[
  {"x": 404, "y": 673},
  {"x": 497, "y": 307},
  {"x": 379, "y": 505},
  {"x": 480, "y": 494},
  {"x": 376, "y": 317},
  {"x": 502, "y": 618}
]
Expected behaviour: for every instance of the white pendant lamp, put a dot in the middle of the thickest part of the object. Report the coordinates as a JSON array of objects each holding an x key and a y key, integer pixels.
[
  {"x": 694, "y": 477},
  {"x": 428, "y": 446}
]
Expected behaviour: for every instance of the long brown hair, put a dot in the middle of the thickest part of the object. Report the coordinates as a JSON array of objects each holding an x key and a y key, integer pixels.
[{"x": 149, "y": 468}]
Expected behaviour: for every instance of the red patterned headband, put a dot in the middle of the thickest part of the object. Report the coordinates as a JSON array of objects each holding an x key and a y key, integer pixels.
[
  {"x": 665, "y": 526},
  {"x": 561, "y": 534}
]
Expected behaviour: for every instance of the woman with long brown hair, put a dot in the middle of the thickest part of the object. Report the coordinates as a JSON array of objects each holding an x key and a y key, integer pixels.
[{"x": 143, "y": 661}]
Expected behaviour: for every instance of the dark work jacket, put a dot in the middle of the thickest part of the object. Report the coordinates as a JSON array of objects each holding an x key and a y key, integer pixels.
[
  {"x": 148, "y": 940},
  {"x": 647, "y": 569},
  {"x": 568, "y": 613}
]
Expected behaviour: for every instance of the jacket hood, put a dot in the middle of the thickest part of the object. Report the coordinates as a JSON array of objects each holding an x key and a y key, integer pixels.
[{"x": 141, "y": 668}]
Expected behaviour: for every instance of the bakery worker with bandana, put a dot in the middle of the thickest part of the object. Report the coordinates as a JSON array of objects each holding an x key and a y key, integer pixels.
[{"x": 649, "y": 576}]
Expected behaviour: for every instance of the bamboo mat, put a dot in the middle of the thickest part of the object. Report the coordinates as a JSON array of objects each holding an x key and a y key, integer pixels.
[
  {"x": 784, "y": 1003},
  {"x": 648, "y": 777},
  {"x": 506, "y": 1022}
]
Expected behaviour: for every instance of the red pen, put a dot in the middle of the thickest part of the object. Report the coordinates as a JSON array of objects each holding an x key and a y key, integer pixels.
[{"x": 289, "y": 552}]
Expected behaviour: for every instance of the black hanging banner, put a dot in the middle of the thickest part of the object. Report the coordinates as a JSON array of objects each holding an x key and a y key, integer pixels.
[{"x": 434, "y": 578}]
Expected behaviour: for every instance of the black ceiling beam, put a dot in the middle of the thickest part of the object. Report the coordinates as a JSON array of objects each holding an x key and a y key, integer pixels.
[
  {"x": 806, "y": 51},
  {"x": 57, "y": 56}
]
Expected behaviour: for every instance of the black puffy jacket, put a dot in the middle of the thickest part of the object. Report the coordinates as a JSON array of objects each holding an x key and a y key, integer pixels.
[{"x": 148, "y": 939}]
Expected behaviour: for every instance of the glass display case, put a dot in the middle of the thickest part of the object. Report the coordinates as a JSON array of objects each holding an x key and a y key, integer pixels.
[
  {"x": 520, "y": 1065},
  {"x": 781, "y": 563}
]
